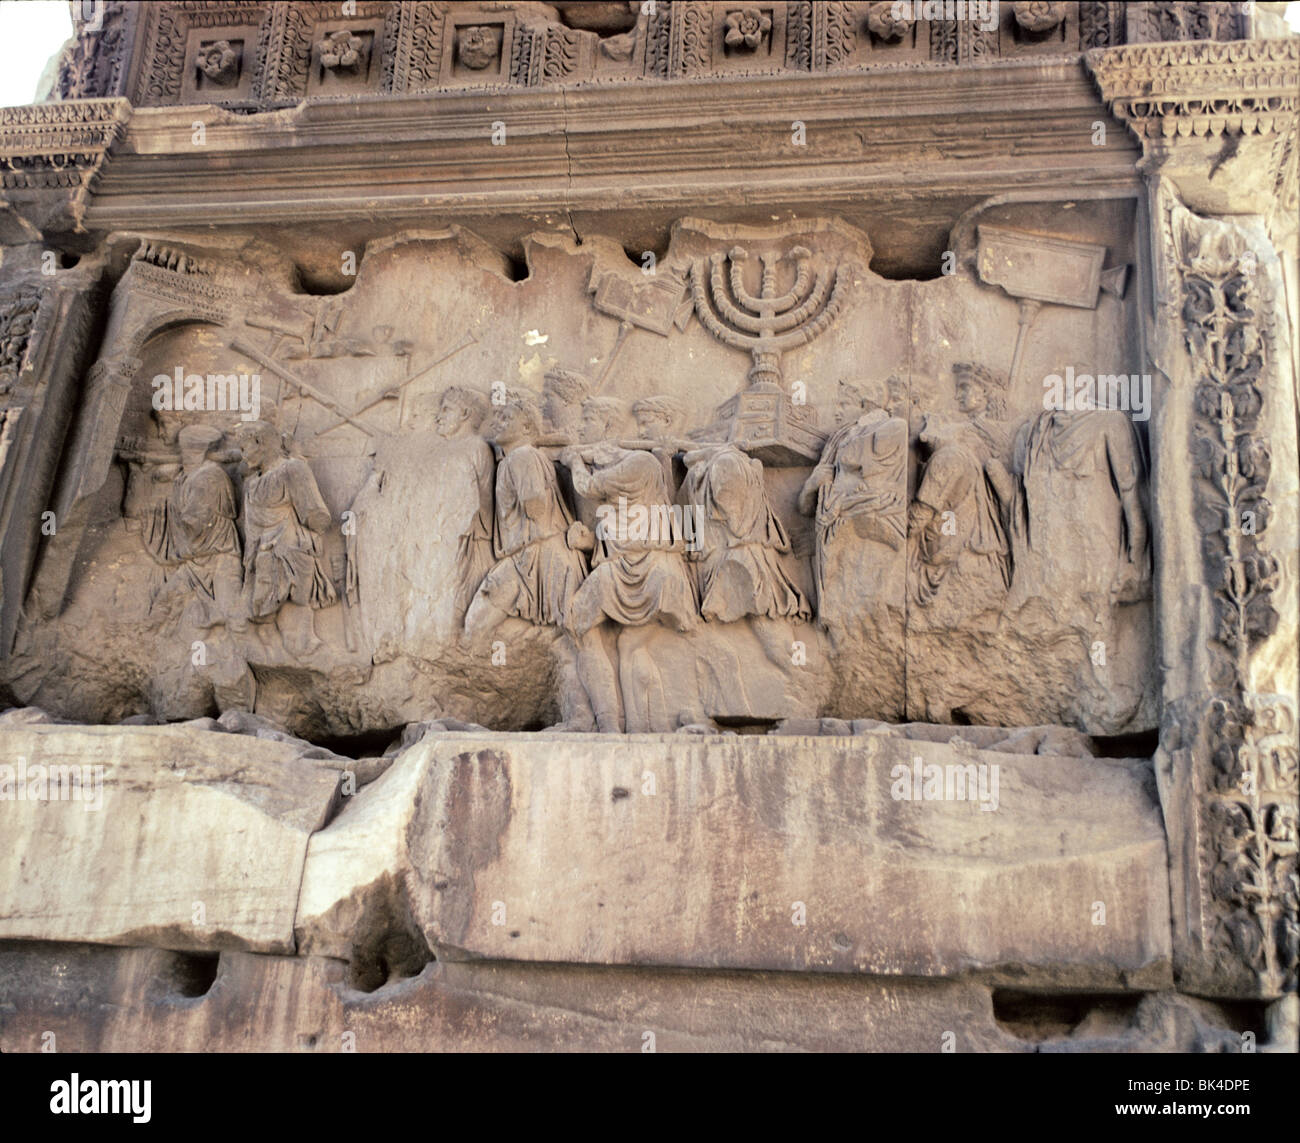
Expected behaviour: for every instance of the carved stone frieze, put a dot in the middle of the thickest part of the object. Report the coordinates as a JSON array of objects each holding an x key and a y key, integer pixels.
[
  {"x": 779, "y": 527},
  {"x": 1218, "y": 124},
  {"x": 18, "y": 310},
  {"x": 58, "y": 147},
  {"x": 178, "y": 42},
  {"x": 1166, "y": 91},
  {"x": 260, "y": 54},
  {"x": 1162, "y": 20},
  {"x": 58, "y": 144}
]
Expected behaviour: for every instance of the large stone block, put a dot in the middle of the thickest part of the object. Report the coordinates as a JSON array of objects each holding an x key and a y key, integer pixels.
[
  {"x": 188, "y": 838},
  {"x": 744, "y": 852},
  {"x": 93, "y": 998}
]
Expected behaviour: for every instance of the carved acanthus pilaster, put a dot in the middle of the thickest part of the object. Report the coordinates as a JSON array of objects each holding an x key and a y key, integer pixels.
[
  {"x": 1224, "y": 446},
  {"x": 1218, "y": 122}
]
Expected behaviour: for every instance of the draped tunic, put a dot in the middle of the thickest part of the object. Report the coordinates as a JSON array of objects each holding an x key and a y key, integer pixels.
[
  {"x": 961, "y": 557},
  {"x": 740, "y": 570},
  {"x": 640, "y": 576},
  {"x": 283, "y": 518},
  {"x": 537, "y": 572}
]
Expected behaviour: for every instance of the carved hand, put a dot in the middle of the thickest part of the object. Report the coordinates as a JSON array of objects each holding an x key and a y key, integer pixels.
[{"x": 580, "y": 538}]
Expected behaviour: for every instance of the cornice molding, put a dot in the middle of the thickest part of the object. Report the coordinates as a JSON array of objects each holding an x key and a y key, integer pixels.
[
  {"x": 1221, "y": 119},
  {"x": 52, "y": 154},
  {"x": 1201, "y": 88},
  {"x": 974, "y": 131}
]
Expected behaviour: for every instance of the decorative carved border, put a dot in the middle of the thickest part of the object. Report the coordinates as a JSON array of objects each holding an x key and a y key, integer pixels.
[
  {"x": 19, "y": 309},
  {"x": 679, "y": 39},
  {"x": 1150, "y": 21},
  {"x": 1167, "y": 91},
  {"x": 295, "y": 28},
  {"x": 61, "y": 145},
  {"x": 161, "y": 75},
  {"x": 95, "y": 64},
  {"x": 834, "y": 34},
  {"x": 1245, "y": 777},
  {"x": 417, "y": 57},
  {"x": 1216, "y": 284}
]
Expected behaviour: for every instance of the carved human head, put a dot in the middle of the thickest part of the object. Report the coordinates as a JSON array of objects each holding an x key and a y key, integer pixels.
[
  {"x": 855, "y": 398},
  {"x": 977, "y": 388},
  {"x": 169, "y": 424},
  {"x": 602, "y": 418},
  {"x": 658, "y": 416},
  {"x": 563, "y": 392},
  {"x": 197, "y": 441},
  {"x": 460, "y": 411},
  {"x": 515, "y": 420},
  {"x": 478, "y": 45},
  {"x": 260, "y": 442}
]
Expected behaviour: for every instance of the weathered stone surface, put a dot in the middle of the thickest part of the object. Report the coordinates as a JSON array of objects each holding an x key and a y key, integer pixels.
[
  {"x": 836, "y": 540},
  {"x": 414, "y": 380},
  {"x": 554, "y": 848},
  {"x": 146, "y": 1000},
  {"x": 190, "y": 840},
  {"x": 98, "y": 999}
]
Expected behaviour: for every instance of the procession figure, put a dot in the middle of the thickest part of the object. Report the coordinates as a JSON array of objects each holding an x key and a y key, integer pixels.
[
  {"x": 285, "y": 519},
  {"x": 659, "y": 420},
  {"x": 742, "y": 546},
  {"x": 151, "y": 466},
  {"x": 960, "y": 565},
  {"x": 208, "y": 580},
  {"x": 603, "y": 418},
  {"x": 1078, "y": 528},
  {"x": 537, "y": 570},
  {"x": 860, "y": 479},
  {"x": 638, "y": 578},
  {"x": 459, "y": 420}
]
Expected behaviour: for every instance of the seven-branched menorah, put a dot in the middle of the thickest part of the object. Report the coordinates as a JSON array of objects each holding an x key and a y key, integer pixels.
[{"x": 766, "y": 324}]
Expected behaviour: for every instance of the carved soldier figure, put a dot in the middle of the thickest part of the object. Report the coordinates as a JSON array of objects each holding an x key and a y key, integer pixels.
[
  {"x": 285, "y": 519},
  {"x": 537, "y": 571},
  {"x": 201, "y": 514},
  {"x": 960, "y": 563},
  {"x": 460, "y": 416},
  {"x": 861, "y": 478}
]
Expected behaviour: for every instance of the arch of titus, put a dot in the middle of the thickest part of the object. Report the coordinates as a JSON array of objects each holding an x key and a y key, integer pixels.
[{"x": 767, "y": 523}]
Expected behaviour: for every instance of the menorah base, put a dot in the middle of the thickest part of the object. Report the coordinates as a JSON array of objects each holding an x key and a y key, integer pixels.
[{"x": 769, "y": 426}]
